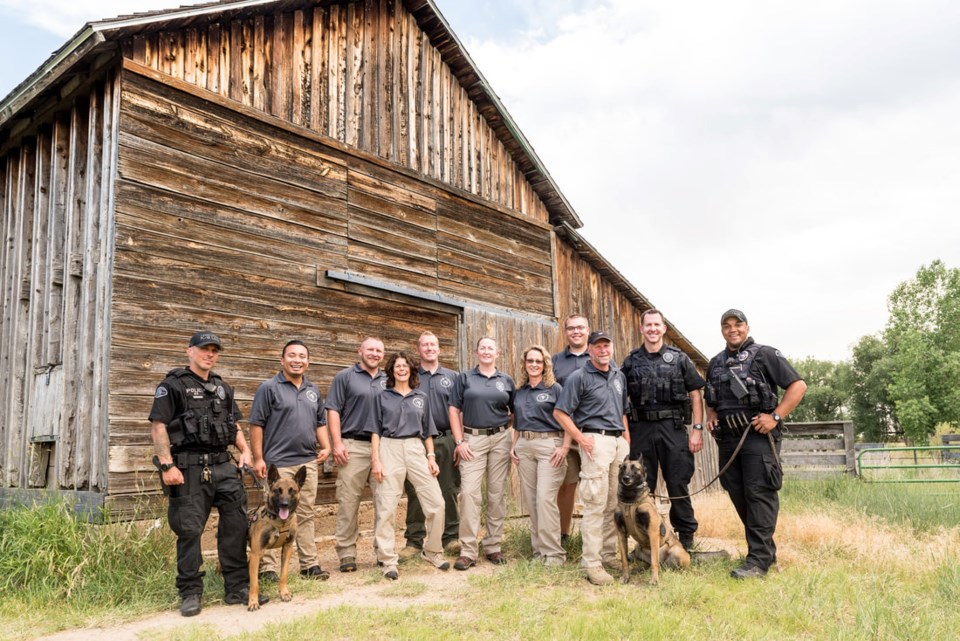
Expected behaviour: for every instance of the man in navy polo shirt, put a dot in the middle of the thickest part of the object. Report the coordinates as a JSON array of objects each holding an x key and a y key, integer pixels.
[
  {"x": 350, "y": 414},
  {"x": 592, "y": 409},
  {"x": 286, "y": 424}
]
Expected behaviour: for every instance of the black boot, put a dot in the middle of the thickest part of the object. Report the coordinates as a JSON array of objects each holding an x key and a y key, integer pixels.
[{"x": 686, "y": 540}]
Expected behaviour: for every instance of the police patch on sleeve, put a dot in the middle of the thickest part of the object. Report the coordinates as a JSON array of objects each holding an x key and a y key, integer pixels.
[
  {"x": 161, "y": 392},
  {"x": 779, "y": 354},
  {"x": 221, "y": 393}
]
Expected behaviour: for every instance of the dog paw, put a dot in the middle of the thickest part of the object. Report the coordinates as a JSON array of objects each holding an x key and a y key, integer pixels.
[
  {"x": 285, "y": 596},
  {"x": 253, "y": 605},
  {"x": 624, "y": 580}
]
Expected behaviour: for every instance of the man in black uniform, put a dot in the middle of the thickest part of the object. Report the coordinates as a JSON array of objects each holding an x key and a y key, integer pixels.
[
  {"x": 664, "y": 388},
  {"x": 741, "y": 395},
  {"x": 194, "y": 419}
]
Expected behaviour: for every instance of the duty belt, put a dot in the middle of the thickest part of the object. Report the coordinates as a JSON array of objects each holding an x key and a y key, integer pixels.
[
  {"x": 658, "y": 415},
  {"x": 614, "y": 433},
  {"x": 735, "y": 424},
  {"x": 530, "y": 435},
  {"x": 484, "y": 431},
  {"x": 186, "y": 459}
]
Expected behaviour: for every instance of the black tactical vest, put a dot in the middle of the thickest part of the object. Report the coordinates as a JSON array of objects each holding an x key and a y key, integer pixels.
[
  {"x": 747, "y": 394},
  {"x": 206, "y": 422},
  {"x": 656, "y": 383}
]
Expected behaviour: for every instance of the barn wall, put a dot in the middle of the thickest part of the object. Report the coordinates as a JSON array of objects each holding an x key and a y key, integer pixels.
[
  {"x": 54, "y": 284},
  {"x": 230, "y": 219},
  {"x": 363, "y": 73}
]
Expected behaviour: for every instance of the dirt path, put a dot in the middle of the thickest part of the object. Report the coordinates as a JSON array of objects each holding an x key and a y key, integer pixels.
[{"x": 359, "y": 588}]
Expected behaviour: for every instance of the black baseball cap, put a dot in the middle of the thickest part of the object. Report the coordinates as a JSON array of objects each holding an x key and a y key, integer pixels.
[
  {"x": 205, "y": 338},
  {"x": 735, "y": 313},
  {"x": 596, "y": 337}
]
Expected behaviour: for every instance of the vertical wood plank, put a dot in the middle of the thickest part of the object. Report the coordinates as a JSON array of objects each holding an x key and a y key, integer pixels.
[
  {"x": 235, "y": 88},
  {"x": 190, "y": 56},
  {"x": 247, "y": 45},
  {"x": 281, "y": 69},
  {"x": 260, "y": 64},
  {"x": 370, "y": 95},
  {"x": 213, "y": 58},
  {"x": 401, "y": 93},
  {"x": 300, "y": 83},
  {"x": 436, "y": 113},
  {"x": 223, "y": 64},
  {"x": 202, "y": 57},
  {"x": 319, "y": 72},
  {"x": 72, "y": 290},
  {"x": 337, "y": 56},
  {"x": 354, "y": 88}
]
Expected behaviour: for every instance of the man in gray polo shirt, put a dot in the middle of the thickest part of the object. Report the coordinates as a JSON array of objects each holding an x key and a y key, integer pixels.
[
  {"x": 592, "y": 410},
  {"x": 286, "y": 424},
  {"x": 350, "y": 412},
  {"x": 436, "y": 382}
]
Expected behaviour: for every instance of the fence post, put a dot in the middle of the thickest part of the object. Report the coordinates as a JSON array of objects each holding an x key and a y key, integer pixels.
[{"x": 848, "y": 438}]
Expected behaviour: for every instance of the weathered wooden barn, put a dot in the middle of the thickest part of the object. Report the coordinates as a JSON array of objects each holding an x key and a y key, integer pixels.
[{"x": 267, "y": 169}]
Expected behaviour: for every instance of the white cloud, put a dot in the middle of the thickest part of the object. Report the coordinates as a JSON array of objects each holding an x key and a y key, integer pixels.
[
  {"x": 790, "y": 158},
  {"x": 65, "y": 17}
]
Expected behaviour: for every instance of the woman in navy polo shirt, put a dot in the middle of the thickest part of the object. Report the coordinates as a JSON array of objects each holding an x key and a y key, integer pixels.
[
  {"x": 540, "y": 449},
  {"x": 401, "y": 445},
  {"x": 481, "y": 409}
]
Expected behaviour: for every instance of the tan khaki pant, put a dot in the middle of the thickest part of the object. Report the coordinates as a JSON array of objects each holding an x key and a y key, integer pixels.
[
  {"x": 539, "y": 484},
  {"x": 306, "y": 517},
  {"x": 598, "y": 491},
  {"x": 406, "y": 458},
  {"x": 491, "y": 462},
  {"x": 351, "y": 478}
]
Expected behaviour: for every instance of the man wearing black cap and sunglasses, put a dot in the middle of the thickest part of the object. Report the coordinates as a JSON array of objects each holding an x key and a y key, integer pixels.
[
  {"x": 591, "y": 409},
  {"x": 194, "y": 420},
  {"x": 741, "y": 396}
]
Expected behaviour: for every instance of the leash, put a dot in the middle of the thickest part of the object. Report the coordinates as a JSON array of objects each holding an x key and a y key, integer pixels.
[
  {"x": 261, "y": 495},
  {"x": 726, "y": 467}
]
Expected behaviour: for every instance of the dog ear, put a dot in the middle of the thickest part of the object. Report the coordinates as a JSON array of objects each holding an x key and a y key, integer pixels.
[
  {"x": 273, "y": 475},
  {"x": 301, "y": 476}
]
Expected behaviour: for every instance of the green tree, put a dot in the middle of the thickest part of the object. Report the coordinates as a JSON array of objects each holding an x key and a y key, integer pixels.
[
  {"x": 829, "y": 390},
  {"x": 871, "y": 408},
  {"x": 923, "y": 345}
]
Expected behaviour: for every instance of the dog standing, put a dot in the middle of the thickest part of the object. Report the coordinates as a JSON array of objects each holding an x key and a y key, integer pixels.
[
  {"x": 274, "y": 525},
  {"x": 636, "y": 516}
]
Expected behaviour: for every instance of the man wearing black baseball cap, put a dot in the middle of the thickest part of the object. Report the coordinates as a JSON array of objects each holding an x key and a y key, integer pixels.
[
  {"x": 591, "y": 408},
  {"x": 194, "y": 420},
  {"x": 741, "y": 396}
]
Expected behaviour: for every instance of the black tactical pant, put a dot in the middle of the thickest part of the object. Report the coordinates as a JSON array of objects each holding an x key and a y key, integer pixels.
[
  {"x": 188, "y": 511},
  {"x": 449, "y": 480},
  {"x": 664, "y": 445},
  {"x": 752, "y": 485}
]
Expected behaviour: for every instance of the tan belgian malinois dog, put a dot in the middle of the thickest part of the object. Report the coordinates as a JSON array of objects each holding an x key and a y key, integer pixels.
[
  {"x": 273, "y": 526},
  {"x": 636, "y": 516}
]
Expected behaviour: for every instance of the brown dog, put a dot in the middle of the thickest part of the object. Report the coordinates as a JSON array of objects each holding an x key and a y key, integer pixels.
[
  {"x": 273, "y": 526},
  {"x": 636, "y": 516}
]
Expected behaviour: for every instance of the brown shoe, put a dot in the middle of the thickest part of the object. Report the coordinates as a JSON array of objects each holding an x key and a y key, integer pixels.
[
  {"x": 497, "y": 558},
  {"x": 464, "y": 563}
]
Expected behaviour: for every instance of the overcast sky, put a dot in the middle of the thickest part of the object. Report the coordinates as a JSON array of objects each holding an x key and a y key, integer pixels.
[{"x": 794, "y": 159}]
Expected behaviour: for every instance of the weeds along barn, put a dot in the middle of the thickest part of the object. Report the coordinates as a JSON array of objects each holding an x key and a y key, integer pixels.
[{"x": 266, "y": 169}]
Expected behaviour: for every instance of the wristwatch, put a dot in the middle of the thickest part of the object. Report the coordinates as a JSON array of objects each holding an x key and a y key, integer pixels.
[
  {"x": 698, "y": 426},
  {"x": 457, "y": 443},
  {"x": 776, "y": 417},
  {"x": 165, "y": 466}
]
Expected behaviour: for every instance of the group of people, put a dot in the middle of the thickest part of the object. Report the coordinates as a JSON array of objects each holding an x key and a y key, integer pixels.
[{"x": 406, "y": 423}]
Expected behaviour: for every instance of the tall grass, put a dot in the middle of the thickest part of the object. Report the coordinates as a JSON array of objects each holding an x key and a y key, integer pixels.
[
  {"x": 923, "y": 507},
  {"x": 73, "y": 571}
]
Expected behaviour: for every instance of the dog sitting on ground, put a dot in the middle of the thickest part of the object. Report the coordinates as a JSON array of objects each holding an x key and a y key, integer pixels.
[
  {"x": 636, "y": 516},
  {"x": 272, "y": 526}
]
